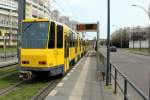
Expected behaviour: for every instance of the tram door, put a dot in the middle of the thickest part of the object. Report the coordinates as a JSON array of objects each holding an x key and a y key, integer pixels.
[
  {"x": 60, "y": 55},
  {"x": 51, "y": 44},
  {"x": 66, "y": 53}
]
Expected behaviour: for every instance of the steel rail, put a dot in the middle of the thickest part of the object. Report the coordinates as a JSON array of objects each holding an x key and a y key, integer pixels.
[
  {"x": 10, "y": 89},
  {"x": 46, "y": 90},
  {"x": 8, "y": 65}
]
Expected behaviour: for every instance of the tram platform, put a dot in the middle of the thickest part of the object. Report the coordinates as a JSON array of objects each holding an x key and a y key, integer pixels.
[{"x": 82, "y": 83}]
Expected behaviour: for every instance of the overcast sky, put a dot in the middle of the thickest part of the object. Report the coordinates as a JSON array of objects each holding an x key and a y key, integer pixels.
[{"x": 122, "y": 13}]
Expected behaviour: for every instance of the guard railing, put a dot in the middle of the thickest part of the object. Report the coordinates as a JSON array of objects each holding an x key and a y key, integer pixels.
[{"x": 120, "y": 81}]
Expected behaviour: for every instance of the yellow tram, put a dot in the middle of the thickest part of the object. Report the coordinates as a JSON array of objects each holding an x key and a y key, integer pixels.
[{"x": 48, "y": 47}]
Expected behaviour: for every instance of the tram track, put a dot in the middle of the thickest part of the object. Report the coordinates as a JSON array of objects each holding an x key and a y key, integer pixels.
[
  {"x": 5, "y": 71},
  {"x": 8, "y": 64},
  {"x": 46, "y": 90},
  {"x": 8, "y": 71},
  {"x": 10, "y": 89},
  {"x": 18, "y": 87},
  {"x": 30, "y": 89}
]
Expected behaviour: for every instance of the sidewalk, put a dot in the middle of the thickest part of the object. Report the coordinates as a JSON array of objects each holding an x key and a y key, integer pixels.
[{"x": 82, "y": 83}]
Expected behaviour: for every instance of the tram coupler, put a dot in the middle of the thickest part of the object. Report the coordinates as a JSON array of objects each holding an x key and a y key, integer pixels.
[{"x": 25, "y": 75}]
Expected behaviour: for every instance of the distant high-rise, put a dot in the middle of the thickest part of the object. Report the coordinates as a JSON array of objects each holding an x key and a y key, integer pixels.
[{"x": 55, "y": 15}]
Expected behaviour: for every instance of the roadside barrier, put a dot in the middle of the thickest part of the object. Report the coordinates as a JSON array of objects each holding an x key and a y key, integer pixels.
[{"x": 120, "y": 81}]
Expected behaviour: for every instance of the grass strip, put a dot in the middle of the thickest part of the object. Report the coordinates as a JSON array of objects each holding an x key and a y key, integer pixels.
[
  {"x": 9, "y": 80},
  {"x": 26, "y": 90}
]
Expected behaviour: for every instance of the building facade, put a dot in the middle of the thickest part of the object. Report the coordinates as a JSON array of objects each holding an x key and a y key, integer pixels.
[
  {"x": 139, "y": 37},
  {"x": 8, "y": 21},
  {"x": 9, "y": 17}
]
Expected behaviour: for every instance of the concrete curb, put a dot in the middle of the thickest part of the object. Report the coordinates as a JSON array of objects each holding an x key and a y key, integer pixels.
[{"x": 139, "y": 53}]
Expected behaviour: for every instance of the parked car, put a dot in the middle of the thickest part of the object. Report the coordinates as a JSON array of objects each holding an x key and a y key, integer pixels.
[{"x": 113, "y": 49}]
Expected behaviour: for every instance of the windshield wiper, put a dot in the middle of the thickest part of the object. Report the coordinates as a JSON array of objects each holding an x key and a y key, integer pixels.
[{"x": 27, "y": 27}]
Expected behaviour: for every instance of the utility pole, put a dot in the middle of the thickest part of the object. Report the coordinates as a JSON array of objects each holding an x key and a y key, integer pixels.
[
  {"x": 21, "y": 16},
  {"x": 10, "y": 31},
  {"x": 108, "y": 43}
]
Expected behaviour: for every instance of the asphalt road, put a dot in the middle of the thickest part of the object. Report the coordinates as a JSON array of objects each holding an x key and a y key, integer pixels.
[{"x": 136, "y": 67}]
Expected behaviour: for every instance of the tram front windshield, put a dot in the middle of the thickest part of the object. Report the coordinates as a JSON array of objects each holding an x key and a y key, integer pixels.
[{"x": 34, "y": 34}]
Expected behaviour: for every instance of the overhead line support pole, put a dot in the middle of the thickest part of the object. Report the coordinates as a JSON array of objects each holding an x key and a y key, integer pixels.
[
  {"x": 108, "y": 44},
  {"x": 21, "y": 16}
]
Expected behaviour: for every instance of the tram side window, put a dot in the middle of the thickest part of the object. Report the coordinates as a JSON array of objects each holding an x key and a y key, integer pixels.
[
  {"x": 71, "y": 39},
  {"x": 74, "y": 40},
  {"x": 51, "y": 43},
  {"x": 59, "y": 36}
]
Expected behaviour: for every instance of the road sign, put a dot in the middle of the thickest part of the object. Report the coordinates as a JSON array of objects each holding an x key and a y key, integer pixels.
[{"x": 86, "y": 27}]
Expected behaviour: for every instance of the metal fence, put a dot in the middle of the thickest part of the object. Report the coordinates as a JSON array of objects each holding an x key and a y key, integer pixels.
[
  {"x": 8, "y": 56},
  {"x": 120, "y": 81}
]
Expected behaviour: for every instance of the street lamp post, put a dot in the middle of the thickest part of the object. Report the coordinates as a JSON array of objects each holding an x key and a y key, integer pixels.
[{"x": 148, "y": 13}]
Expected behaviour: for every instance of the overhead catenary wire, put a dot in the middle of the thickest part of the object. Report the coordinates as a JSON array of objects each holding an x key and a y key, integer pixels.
[
  {"x": 71, "y": 9},
  {"x": 61, "y": 8}
]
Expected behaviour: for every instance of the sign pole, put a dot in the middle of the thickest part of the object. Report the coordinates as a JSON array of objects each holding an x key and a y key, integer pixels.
[
  {"x": 98, "y": 69},
  {"x": 97, "y": 34}
]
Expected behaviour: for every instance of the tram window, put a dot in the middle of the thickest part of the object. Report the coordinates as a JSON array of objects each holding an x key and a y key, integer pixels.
[
  {"x": 71, "y": 39},
  {"x": 59, "y": 36},
  {"x": 74, "y": 41},
  {"x": 51, "y": 43},
  {"x": 73, "y": 36}
]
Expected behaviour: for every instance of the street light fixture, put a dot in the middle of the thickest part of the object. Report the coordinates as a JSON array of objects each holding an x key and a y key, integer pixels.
[{"x": 148, "y": 13}]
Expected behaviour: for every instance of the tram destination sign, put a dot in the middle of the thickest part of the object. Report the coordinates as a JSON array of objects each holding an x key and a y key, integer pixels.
[{"x": 87, "y": 27}]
